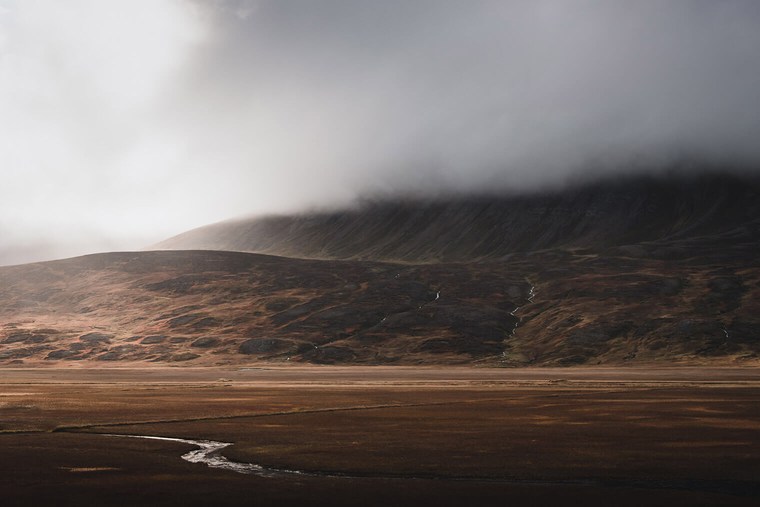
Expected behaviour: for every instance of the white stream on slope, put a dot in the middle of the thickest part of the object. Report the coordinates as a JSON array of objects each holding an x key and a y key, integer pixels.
[
  {"x": 531, "y": 294},
  {"x": 208, "y": 453},
  {"x": 423, "y": 305}
]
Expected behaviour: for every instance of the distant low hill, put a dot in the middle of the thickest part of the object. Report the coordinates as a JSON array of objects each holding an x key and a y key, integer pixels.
[{"x": 663, "y": 216}]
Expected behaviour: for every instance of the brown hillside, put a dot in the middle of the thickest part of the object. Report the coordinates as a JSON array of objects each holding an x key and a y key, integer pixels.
[{"x": 202, "y": 308}]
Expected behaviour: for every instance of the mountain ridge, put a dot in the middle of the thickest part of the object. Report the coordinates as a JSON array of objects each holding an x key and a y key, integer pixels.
[{"x": 599, "y": 215}]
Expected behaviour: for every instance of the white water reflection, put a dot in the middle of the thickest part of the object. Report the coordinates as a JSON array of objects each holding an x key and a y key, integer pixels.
[{"x": 208, "y": 452}]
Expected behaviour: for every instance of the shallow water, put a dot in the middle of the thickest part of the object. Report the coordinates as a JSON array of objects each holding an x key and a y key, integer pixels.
[{"x": 208, "y": 452}]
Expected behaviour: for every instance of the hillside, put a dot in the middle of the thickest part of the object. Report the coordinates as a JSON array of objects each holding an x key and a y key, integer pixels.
[
  {"x": 637, "y": 271},
  {"x": 224, "y": 307},
  {"x": 555, "y": 308},
  {"x": 661, "y": 217}
]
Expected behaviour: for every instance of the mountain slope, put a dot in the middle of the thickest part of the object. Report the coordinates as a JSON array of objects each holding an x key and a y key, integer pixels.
[
  {"x": 674, "y": 211},
  {"x": 638, "y": 271},
  {"x": 225, "y": 308},
  {"x": 230, "y": 308}
]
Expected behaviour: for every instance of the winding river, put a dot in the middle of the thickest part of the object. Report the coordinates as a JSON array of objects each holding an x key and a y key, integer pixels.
[{"x": 208, "y": 452}]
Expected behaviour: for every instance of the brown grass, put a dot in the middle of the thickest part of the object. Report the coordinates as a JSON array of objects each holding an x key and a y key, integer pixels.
[{"x": 452, "y": 436}]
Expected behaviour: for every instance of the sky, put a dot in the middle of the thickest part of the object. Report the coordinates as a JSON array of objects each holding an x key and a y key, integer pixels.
[{"x": 124, "y": 122}]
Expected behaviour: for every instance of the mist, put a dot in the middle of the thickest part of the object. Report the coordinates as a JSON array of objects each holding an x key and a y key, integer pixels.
[{"x": 123, "y": 124}]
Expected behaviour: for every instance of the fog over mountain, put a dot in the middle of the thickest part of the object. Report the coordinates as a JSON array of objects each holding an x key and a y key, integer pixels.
[{"x": 123, "y": 123}]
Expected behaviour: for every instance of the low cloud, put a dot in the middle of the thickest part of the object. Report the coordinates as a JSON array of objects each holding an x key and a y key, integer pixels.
[
  {"x": 149, "y": 117},
  {"x": 316, "y": 101}
]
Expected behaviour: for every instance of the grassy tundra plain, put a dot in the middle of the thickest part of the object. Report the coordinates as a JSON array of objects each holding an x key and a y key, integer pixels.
[{"x": 382, "y": 435}]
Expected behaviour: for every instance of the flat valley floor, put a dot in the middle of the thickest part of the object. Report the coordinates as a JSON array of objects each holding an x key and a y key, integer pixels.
[{"x": 382, "y": 436}]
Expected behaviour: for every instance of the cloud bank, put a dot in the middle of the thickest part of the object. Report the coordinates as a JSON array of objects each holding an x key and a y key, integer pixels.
[{"x": 124, "y": 122}]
